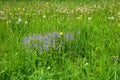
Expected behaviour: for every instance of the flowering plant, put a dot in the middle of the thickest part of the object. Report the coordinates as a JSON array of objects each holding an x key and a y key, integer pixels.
[{"x": 47, "y": 42}]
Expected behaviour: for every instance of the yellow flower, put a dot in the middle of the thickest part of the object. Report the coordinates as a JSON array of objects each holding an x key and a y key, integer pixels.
[
  {"x": 7, "y": 22},
  {"x": 61, "y": 33},
  {"x": 19, "y": 8},
  {"x": 79, "y": 17}
]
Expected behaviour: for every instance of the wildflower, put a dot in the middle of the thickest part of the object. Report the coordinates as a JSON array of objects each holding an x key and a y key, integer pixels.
[
  {"x": 115, "y": 58},
  {"x": 79, "y": 17},
  {"x": 61, "y": 33},
  {"x": 111, "y": 18},
  {"x": 46, "y": 47},
  {"x": 26, "y": 22},
  {"x": 46, "y": 42},
  {"x": 86, "y": 63},
  {"x": 19, "y": 20},
  {"x": 89, "y": 18},
  {"x": 48, "y": 68},
  {"x": 68, "y": 36},
  {"x": 25, "y": 39},
  {"x": 44, "y": 16}
]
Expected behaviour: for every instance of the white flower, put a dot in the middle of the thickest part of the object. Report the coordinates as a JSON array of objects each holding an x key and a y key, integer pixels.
[
  {"x": 89, "y": 18},
  {"x": 111, "y": 18},
  {"x": 26, "y": 22},
  {"x": 86, "y": 63},
  {"x": 48, "y": 68},
  {"x": 44, "y": 16},
  {"x": 19, "y": 19},
  {"x": 115, "y": 58}
]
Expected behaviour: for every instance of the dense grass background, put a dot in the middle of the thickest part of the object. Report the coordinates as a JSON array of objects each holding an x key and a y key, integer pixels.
[{"x": 92, "y": 55}]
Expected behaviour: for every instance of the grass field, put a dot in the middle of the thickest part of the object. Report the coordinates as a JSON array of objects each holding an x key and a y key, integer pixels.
[{"x": 90, "y": 52}]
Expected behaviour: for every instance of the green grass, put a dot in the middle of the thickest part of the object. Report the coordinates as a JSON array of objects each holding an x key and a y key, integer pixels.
[{"x": 92, "y": 55}]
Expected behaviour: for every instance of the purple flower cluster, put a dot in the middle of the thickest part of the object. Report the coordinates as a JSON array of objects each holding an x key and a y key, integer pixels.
[{"x": 46, "y": 42}]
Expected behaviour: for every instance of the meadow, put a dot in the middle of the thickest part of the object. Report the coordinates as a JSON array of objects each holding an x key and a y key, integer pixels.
[{"x": 59, "y": 40}]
